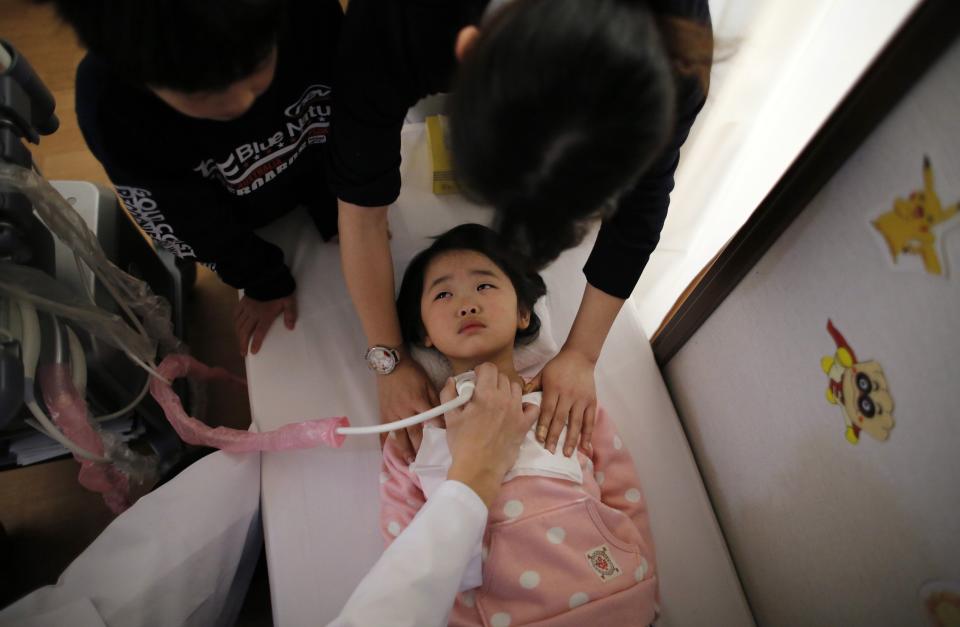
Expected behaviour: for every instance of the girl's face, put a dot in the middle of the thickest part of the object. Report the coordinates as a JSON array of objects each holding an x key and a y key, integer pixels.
[{"x": 469, "y": 307}]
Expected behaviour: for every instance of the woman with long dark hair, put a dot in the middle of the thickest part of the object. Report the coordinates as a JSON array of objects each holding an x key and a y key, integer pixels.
[{"x": 562, "y": 112}]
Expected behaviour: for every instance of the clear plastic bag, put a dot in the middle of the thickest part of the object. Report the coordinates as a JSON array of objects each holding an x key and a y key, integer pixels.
[
  {"x": 133, "y": 296},
  {"x": 127, "y": 475},
  {"x": 139, "y": 303},
  {"x": 22, "y": 283},
  {"x": 300, "y": 435},
  {"x": 147, "y": 326}
]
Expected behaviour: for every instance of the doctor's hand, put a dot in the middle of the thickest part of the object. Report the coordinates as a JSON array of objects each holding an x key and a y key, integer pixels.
[
  {"x": 485, "y": 434},
  {"x": 403, "y": 393},
  {"x": 253, "y": 319},
  {"x": 569, "y": 399}
]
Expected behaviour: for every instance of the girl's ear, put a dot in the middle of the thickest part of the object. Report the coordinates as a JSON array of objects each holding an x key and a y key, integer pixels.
[
  {"x": 427, "y": 342},
  {"x": 523, "y": 319}
]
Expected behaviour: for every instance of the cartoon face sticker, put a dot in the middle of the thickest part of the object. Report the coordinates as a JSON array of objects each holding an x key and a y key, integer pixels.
[
  {"x": 941, "y": 599},
  {"x": 860, "y": 389},
  {"x": 866, "y": 399}
]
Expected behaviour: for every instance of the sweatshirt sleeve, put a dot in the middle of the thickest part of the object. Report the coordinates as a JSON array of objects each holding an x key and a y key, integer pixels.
[
  {"x": 191, "y": 219},
  {"x": 400, "y": 495},
  {"x": 627, "y": 239},
  {"x": 391, "y": 54}
]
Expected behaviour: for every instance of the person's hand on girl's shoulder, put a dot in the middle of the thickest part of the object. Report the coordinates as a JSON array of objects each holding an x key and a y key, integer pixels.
[
  {"x": 405, "y": 392},
  {"x": 569, "y": 399},
  {"x": 254, "y": 317}
]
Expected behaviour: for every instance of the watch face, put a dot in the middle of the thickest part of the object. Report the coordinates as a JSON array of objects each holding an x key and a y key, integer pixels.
[{"x": 381, "y": 359}]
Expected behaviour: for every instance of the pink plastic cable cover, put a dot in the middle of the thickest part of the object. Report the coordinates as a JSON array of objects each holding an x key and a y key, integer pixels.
[
  {"x": 299, "y": 435},
  {"x": 69, "y": 411}
]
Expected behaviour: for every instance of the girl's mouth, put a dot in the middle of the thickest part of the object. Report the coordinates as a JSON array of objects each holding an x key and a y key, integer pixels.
[{"x": 471, "y": 327}]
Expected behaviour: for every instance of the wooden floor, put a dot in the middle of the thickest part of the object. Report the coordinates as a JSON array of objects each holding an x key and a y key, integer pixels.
[{"x": 48, "y": 518}]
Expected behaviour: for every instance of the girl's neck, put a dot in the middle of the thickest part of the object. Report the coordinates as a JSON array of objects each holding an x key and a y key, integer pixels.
[{"x": 503, "y": 361}]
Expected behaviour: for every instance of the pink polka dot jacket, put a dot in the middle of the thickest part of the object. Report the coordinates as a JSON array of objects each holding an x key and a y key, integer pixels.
[{"x": 554, "y": 552}]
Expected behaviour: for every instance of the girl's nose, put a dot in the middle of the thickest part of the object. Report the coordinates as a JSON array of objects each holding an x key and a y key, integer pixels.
[{"x": 468, "y": 310}]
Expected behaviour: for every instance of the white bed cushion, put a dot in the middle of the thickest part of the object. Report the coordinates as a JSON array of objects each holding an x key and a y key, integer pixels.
[{"x": 320, "y": 507}]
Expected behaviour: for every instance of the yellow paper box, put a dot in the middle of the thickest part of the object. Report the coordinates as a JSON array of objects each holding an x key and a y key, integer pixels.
[{"x": 443, "y": 180}]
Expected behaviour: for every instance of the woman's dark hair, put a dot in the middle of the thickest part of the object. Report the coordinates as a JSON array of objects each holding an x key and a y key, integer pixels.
[
  {"x": 560, "y": 106},
  {"x": 186, "y": 45},
  {"x": 528, "y": 285}
]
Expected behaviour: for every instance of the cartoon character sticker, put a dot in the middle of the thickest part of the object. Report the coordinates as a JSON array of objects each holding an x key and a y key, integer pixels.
[
  {"x": 941, "y": 600},
  {"x": 908, "y": 229},
  {"x": 860, "y": 389}
]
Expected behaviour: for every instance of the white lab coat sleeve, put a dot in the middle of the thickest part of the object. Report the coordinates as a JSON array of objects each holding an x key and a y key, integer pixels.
[
  {"x": 183, "y": 556},
  {"x": 417, "y": 578}
]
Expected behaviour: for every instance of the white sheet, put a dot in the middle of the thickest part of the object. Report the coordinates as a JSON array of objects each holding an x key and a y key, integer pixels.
[
  {"x": 320, "y": 507},
  {"x": 182, "y": 555}
]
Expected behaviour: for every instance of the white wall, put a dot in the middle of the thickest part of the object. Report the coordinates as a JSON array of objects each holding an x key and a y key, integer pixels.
[
  {"x": 824, "y": 532},
  {"x": 793, "y": 63}
]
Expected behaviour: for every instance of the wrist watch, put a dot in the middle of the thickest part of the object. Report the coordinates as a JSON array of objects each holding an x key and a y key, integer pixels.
[{"x": 382, "y": 359}]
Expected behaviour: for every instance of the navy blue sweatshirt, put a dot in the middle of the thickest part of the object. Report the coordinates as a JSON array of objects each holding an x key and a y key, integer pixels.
[{"x": 200, "y": 187}]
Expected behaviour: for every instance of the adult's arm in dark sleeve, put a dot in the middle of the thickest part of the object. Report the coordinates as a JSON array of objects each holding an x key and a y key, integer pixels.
[
  {"x": 627, "y": 239},
  {"x": 369, "y": 106},
  {"x": 391, "y": 54},
  {"x": 193, "y": 220}
]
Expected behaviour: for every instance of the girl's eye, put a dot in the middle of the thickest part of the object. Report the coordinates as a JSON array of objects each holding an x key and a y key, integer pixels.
[
  {"x": 441, "y": 295},
  {"x": 484, "y": 286}
]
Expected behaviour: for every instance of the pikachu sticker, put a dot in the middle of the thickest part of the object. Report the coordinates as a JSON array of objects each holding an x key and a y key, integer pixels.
[{"x": 916, "y": 223}]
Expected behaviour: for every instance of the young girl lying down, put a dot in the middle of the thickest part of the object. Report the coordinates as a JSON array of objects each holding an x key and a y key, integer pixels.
[{"x": 568, "y": 538}]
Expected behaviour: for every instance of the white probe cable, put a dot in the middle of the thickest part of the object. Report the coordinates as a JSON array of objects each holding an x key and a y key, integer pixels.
[{"x": 466, "y": 383}]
